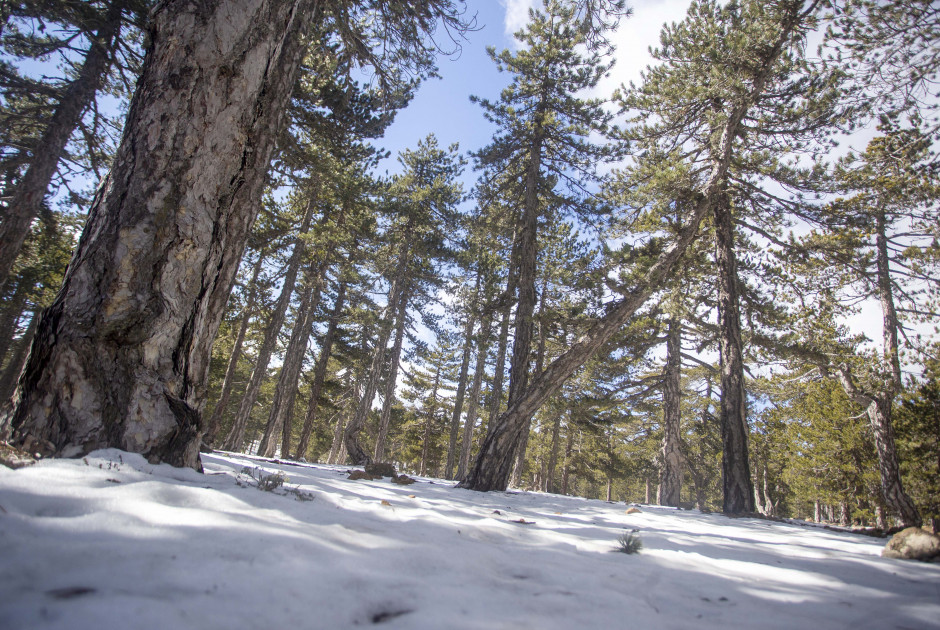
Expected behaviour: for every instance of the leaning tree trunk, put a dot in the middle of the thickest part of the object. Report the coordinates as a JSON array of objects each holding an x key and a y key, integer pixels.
[
  {"x": 319, "y": 372},
  {"x": 670, "y": 479},
  {"x": 879, "y": 414},
  {"x": 880, "y": 407},
  {"x": 737, "y": 487},
  {"x": 215, "y": 420},
  {"x": 493, "y": 466},
  {"x": 121, "y": 357},
  {"x": 31, "y": 190},
  {"x": 236, "y": 436}
]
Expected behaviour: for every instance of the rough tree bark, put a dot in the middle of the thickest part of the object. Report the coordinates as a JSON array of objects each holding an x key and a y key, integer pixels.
[
  {"x": 319, "y": 372},
  {"x": 670, "y": 479},
  {"x": 234, "y": 441},
  {"x": 121, "y": 357},
  {"x": 737, "y": 487},
  {"x": 499, "y": 370},
  {"x": 44, "y": 160},
  {"x": 215, "y": 420},
  {"x": 522, "y": 447}
]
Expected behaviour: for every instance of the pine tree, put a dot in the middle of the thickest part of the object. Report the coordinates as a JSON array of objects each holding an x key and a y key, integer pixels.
[
  {"x": 881, "y": 242},
  {"x": 101, "y": 24},
  {"x": 742, "y": 61},
  {"x": 423, "y": 199},
  {"x": 122, "y": 359}
]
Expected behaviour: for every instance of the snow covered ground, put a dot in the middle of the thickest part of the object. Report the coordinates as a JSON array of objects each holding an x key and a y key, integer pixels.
[{"x": 114, "y": 542}]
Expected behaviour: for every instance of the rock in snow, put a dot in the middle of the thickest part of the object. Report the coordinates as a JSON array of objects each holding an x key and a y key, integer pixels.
[{"x": 913, "y": 543}]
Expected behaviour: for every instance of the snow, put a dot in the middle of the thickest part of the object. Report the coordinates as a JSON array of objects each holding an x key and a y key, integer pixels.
[{"x": 110, "y": 541}]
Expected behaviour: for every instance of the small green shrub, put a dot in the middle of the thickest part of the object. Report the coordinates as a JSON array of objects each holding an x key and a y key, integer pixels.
[{"x": 629, "y": 542}]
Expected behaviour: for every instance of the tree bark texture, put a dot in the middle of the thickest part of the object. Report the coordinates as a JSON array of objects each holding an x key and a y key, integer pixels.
[
  {"x": 234, "y": 441},
  {"x": 215, "y": 420},
  {"x": 44, "y": 159},
  {"x": 879, "y": 404},
  {"x": 737, "y": 487},
  {"x": 670, "y": 479},
  {"x": 121, "y": 357},
  {"x": 319, "y": 372},
  {"x": 527, "y": 255}
]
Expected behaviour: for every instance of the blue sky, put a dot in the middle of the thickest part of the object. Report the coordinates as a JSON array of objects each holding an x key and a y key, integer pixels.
[{"x": 443, "y": 106}]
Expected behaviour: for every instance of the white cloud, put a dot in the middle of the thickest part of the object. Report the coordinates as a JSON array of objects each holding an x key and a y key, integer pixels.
[
  {"x": 634, "y": 37},
  {"x": 517, "y": 14}
]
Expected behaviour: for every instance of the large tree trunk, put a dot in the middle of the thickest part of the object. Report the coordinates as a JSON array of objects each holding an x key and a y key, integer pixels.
[
  {"x": 879, "y": 414},
  {"x": 319, "y": 372},
  {"x": 670, "y": 479},
  {"x": 215, "y": 420},
  {"x": 879, "y": 404},
  {"x": 234, "y": 441},
  {"x": 527, "y": 255},
  {"x": 121, "y": 357},
  {"x": 466, "y": 446},
  {"x": 389, "y": 395},
  {"x": 461, "y": 393},
  {"x": 880, "y": 408},
  {"x": 44, "y": 160},
  {"x": 737, "y": 487}
]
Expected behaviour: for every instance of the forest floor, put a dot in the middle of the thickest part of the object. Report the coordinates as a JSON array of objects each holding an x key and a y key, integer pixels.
[{"x": 111, "y": 541}]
